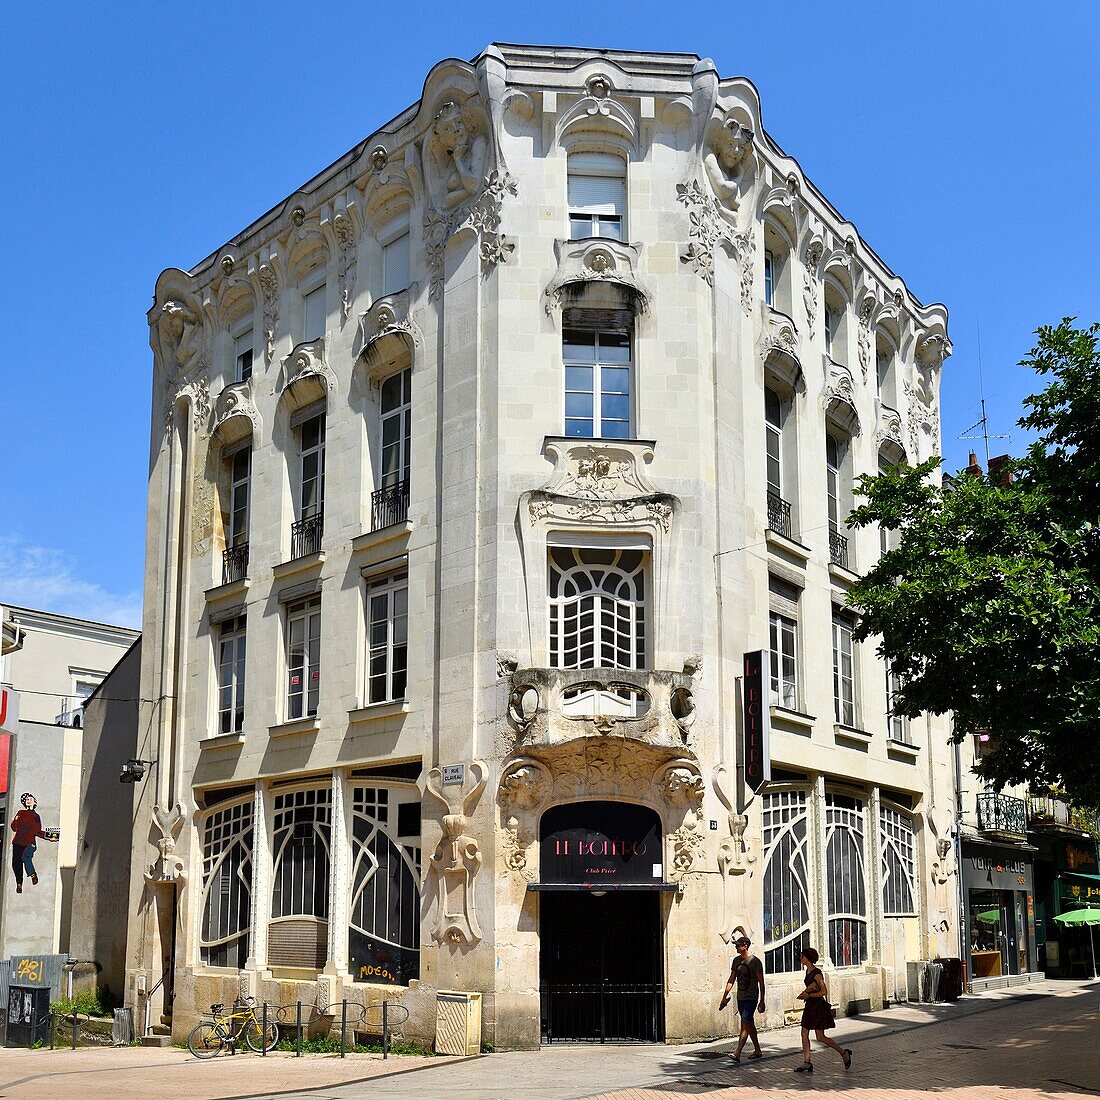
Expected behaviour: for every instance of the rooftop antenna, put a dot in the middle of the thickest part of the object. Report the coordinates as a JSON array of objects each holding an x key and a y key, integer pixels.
[{"x": 983, "y": 423}]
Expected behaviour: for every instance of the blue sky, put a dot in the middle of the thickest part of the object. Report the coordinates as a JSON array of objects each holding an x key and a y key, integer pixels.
[{"x": 960, "y": 139}]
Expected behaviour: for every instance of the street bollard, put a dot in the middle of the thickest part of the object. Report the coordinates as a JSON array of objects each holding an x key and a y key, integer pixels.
[
  {"x": 343, "y": 1028},
  {"x": 298, "y": 1031},
  {"x": 263, "y": 1036},
  {"x": 53, "y": 1029},
  {"x": 385, "y": 1030}
]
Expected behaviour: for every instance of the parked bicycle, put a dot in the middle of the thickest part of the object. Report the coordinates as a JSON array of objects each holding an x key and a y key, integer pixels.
[{"x": 209, "y": 1038}]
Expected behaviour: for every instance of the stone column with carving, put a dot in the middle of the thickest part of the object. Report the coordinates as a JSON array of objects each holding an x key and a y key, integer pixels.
[
  {"x": 876, "y": 921},
  {"x": 339, "y": 907},
  {"x": 261, "y": 882},
  {"x": 819, "y": 868}
]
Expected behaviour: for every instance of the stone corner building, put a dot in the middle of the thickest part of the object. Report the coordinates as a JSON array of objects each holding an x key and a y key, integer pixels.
[{"x": 476, "y": 468}]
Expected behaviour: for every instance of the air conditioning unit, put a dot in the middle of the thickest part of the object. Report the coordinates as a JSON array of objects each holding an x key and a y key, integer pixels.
[{"x": 458, "y": 1023}]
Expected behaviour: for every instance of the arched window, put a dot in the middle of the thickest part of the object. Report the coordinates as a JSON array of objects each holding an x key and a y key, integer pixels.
[
  {"x": 597, "y": 608},
  {"x": 384, "y": 932},
  {"x": 302, "y": 853},
  {"x": 898, "y": 863},
  {"x": 786, "y": 880},
  {"x": 227, "y": 838},
  {"x": 847, "y": 879}
]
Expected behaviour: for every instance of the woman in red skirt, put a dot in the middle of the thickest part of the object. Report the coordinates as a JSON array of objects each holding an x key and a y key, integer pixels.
[{"x": 817, "y": 1016}]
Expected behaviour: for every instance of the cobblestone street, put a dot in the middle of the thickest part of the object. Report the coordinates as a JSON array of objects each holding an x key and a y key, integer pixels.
[{"x": 1035, "y": 1041}]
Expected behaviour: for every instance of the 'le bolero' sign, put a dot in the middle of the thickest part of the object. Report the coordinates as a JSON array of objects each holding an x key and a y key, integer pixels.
[
  {"x": 756, "y": 743},
  {"x": 600, "y": 842}
]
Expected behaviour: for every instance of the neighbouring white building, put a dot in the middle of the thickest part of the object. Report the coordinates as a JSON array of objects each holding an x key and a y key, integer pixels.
[
  {"x": 55, "y": 662},
  {"x": 477, "y": 468}
]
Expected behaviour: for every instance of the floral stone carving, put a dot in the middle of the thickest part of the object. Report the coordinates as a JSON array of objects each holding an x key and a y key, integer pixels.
[
  {"x": 597, "y": 261},
  {"x": 706, "y": 228},
  {"x": 457, "y": 858}
]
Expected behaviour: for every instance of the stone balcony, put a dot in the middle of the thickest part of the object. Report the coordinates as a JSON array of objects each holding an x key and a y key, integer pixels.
[{"x": 551, "y": 706}]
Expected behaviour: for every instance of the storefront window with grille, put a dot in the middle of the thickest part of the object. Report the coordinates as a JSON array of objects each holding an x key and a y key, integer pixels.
[
  {"x": 845, "y": 873},
  {"x": 786, "y": 880},
  {"x": 227, "y": 838}
]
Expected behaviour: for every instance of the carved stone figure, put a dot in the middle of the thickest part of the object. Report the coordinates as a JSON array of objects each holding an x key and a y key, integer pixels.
[
  {"x": 457, "y": 859},
  {"x": 167, "y": 867},
  {"x": 458, "y": 152},
  {"x": 724, "y": 154},
  {"x": 525, "y": 784}
]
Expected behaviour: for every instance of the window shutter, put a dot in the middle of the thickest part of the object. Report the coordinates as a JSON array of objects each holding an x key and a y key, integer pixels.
[
  {"x": 313, "y": 308},
  {"x": 597, "y": 194},
  {"x": 395, "y": 265}
]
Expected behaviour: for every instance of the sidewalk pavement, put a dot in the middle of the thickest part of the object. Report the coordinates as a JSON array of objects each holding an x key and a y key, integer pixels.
[{"x": 1034, "y": 1040}]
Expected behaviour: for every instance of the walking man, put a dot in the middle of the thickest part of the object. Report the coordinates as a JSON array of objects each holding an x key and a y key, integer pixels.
[
  {"x": 27, "y": 826},
  {"x": 747, "y": 973}
]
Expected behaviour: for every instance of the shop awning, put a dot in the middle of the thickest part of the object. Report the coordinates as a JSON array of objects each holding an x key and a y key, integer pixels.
[
  {"x": 1079, "y": 874},
  {"x": 597, "y": 887}
]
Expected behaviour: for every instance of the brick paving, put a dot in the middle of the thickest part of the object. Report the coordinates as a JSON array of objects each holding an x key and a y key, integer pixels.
[{"x": 1042, "y": 1040}]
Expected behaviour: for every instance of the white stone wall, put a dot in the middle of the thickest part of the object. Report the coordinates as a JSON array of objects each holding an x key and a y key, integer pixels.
[{"x": 483, "y": 336}]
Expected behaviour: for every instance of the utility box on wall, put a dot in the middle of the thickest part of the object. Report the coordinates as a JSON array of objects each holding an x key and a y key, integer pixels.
[{"x": 458, "y": 1023}]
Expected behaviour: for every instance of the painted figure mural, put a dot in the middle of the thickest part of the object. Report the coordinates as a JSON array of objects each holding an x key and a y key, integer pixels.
[{"x": 27, "y": 826}]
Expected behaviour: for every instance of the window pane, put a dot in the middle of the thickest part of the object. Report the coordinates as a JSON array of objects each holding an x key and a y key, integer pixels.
[
  {"x": 579, "y": 344},
  {"x": 579, "y": 428},
  {"x": 395, "y": 265},
  {"x": 313, "y": 305},
  {"x": 615, "y": 379},
  {"x": 578, "y": 378},
  {"x": 615, "y": 407},
  {"x": 614, "y": 347},
  {"x": 614, "y": 429},
  {"x": 578, "y": 405}
]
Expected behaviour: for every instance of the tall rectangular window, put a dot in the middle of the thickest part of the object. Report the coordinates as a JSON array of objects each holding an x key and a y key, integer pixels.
[
  {"x": 844, "y": 677},
  {"x": 313, "y": 314},
  {"x": 897, "y": 727},
  {"x": 312, "y": 436},
  {"x": 240, "y": 477},
  {"x": 597, "y": 195},
  {"x": 242, "y": 357},
  {"x": 396, "y": 412},
  {"x": 395, "y": 264},
  {"x": 227, "y": 842},
  {"x": 597, "y": 383},
  {"x": 231, "y": 666},
  {"x": 773, "y": 441},
  {"x": 786, "y": 888},
  {"x": 303, "y": 658},
  {"x": 832, "y": 480},
  {"x": 769, "y": 278},
  {"x": 833, "y": 317},
  {"x": 387, "y": 638},
  {"x": 899, "y": 863},
  {"x": 784, "y": 678}
]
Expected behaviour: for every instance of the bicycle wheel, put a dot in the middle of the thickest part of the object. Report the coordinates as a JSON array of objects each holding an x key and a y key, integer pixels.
[
  {"x": 253, "y": 1031},
  {"x": 206, "y": 1039}
]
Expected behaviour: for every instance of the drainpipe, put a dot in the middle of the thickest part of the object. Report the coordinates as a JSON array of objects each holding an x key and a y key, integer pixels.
[{"x": 964, "y": 937}]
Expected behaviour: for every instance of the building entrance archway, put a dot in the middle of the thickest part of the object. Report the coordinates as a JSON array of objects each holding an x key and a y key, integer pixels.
[{"x": 601, "y": 972}]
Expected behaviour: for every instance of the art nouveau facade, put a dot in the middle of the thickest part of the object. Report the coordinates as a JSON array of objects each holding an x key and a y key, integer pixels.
[{"x": 476, "y": 469}]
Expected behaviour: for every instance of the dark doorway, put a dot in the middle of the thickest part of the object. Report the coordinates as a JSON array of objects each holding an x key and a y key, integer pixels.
[{"x": 600, "y": 966}]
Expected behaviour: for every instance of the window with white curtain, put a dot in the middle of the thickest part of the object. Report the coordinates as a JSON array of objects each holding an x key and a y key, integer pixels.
[
  {"x": 597, "y": 608},
  {"x": 384, "y": 930},
  {"x": 786, "y": 887},
  {"x": 597, "y": 195},
  {"x": 387, "y": 638},
  {"x": 231, "y": 666},
  {"x": 844, "y": 670},
  {"x": 303, "y": 637},
  {"x": 899, "y": 880},
  {"x": 784, "y": 667},
  {"x": 227, "y": 839},
  {"x": 846, "y": 879}
]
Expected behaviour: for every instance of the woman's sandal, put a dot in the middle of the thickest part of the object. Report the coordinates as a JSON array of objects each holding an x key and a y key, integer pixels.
[
  {"x": 806, "y": 1067},
  {"x": 757, "y": 1054},
  {"x": 846, "y": 1056},
  {"x": 736, "y": 1059}
]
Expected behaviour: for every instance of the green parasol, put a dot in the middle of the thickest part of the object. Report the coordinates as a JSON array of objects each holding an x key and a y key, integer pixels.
[
  {"x": 1083, "y": 916},
  {"x": 989, "y": 916}
]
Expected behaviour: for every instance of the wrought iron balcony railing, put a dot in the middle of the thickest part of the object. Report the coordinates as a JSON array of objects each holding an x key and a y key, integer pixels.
[
  {"x": 235, "y": 563},
  {"x": 779, "y": 515},
  {"x": 389, "y": 505},
  {"x": 305, "y": 536},
  {"x": 838, "y": 549},
  {"x": 1000, "y": 813}
]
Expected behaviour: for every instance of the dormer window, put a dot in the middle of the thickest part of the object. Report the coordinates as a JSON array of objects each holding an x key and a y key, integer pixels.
[
  {"x": 242, "y": 356},
  {"x": 395, "y": 264},
  {"x": 597, "y": 196},
  {"x": 313, "y": 314}
]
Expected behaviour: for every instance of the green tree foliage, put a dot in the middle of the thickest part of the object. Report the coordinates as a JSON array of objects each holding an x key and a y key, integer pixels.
[{"x": 988, "y": 604}]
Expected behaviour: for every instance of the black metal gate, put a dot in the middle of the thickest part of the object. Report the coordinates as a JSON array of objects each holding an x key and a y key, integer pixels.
[{"x": 600, "y": 967}]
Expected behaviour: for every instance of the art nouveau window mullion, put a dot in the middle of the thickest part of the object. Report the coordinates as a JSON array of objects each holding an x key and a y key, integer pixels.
[{"x": 226, "y": 910}]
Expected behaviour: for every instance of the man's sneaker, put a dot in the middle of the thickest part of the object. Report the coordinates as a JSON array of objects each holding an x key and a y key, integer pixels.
[{"x": 34, "y": 879}]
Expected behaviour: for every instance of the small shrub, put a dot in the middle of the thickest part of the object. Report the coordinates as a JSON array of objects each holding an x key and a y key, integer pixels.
[{"x": 87, "y": 1002}]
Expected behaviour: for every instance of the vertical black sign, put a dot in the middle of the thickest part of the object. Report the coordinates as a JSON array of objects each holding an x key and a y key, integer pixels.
[{"x": 757, "y": 740}]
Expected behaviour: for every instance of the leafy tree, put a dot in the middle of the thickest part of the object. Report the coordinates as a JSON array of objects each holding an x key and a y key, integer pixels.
[{"x": 988, "y": 604}]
